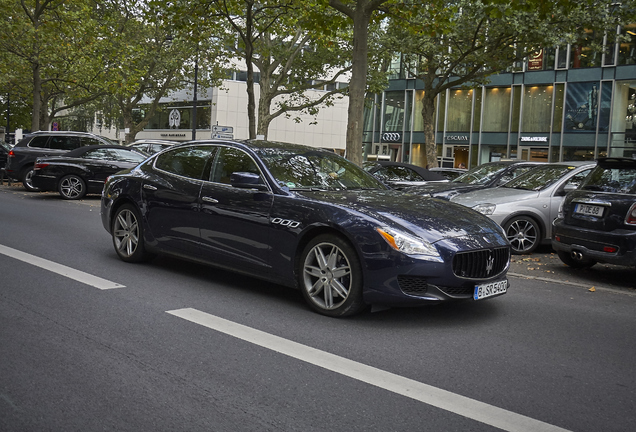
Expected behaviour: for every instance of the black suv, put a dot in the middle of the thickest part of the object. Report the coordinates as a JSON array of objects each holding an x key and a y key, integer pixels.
[
  {"x": 488, "y": 175},
  {"x": 597, "y": 222},
  {"x": 39, "y": 144}
]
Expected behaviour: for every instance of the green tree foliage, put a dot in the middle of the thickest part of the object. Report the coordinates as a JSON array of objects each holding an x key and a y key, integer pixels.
[
  {"x": 47, "y": 48},
  {"x": 463, "y": 43}
]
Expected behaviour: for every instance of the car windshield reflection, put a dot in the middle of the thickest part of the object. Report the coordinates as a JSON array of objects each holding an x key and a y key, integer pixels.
[{"x": 316, "y": 170}]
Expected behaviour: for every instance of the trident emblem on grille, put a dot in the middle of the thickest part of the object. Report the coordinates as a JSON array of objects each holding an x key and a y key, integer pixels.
[{"x": 490, "y": 263}]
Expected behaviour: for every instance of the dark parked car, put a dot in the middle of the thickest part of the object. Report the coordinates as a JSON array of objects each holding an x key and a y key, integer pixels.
[
  {"x": 151, "y": 146},
  {"x": 488, "y": 175},
  {"x": 399, "y": 175},
  {"x": 42, "y": 144},
  {"x": 83, "y": 170},
  {"x": 449, "y": 173},
  {"x": 307, "y": 218},
  {"x": 4, "y": 152},
  {"x": 597, "y": 222}
]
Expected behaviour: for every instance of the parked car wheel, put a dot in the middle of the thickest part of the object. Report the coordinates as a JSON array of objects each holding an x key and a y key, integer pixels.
[
  {"x": 72, "y": 187},
  {"x": 330, "y": 276},
  {"x": 27, "y": 174},
  {"x": 523, "y": 233},
  {"x": 128, "y": 235},
  {"x": 567, "y": 258}
]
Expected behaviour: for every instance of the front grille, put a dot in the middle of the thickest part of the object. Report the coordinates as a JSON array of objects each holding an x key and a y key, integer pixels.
[
  {"x": 481, "y": 264},
  {"x": 413, "y": 285},
  {"x": 457, "y": 291}
]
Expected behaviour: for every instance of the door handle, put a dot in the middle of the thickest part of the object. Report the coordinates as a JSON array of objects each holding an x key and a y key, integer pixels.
[
  {"x": 209, "y": 199},
  {"x": 150, "y": 187}
]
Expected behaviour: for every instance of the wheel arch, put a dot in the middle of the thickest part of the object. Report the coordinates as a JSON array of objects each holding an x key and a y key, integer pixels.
[
  {"x": 313, "y": 232},
  {"x": 530, "y": 215}
]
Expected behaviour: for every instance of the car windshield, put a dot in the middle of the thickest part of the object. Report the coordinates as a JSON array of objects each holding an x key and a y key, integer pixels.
[
  {"x": 315, "y": 170},
  {"x": 481, "y": 174},
  {"x": 617, "y": 179},
  {"x": 539, "y": 178}
]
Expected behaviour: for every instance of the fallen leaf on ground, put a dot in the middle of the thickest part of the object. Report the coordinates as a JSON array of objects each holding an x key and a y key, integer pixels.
[{"x": 592, "y": 289}]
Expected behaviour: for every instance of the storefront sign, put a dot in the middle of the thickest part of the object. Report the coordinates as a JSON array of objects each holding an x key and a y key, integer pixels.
[
  {"x": 456, "y": 138},
  {"x": 534, "y": 139},
  {"x": 535, "y": 61},
  {"x": 173, "y": 135},
  {"x": 391, "y": 137}
]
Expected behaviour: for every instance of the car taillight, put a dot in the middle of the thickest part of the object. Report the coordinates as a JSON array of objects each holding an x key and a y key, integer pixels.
[
  {"x": 38, "y": 166},
  {"x": 11, "y": 154},
  {"x": 630, "y": 219}
]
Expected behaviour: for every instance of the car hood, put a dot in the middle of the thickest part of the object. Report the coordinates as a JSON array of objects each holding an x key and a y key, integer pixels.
[
  {"x": 430, "y": 218},
  {"x": 497, "y": 195}
]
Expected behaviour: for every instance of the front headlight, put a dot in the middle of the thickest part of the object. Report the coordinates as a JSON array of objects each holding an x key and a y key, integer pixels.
[
  {"x": 408, "y": 244},
  {"x": 485, "y": 209}
]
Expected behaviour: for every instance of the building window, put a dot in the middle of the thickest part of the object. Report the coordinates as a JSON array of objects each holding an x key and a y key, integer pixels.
[
  {"x": 537, "y": 107},
  {"x": 393, "y": 111},
  {"x": 584, "y": 54},
  {"x": 581, "y": 106},
  {"x": 496, "y": 109},
  {"x": 627, "y": 47},
  {"x": 460, "y": 105}
]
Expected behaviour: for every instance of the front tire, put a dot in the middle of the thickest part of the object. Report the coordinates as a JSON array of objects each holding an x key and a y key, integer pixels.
[
  {"x": 567, "y": 259},
  {"x": 72, "y": 187},
  {"x": 127, "y": 233},
  {"x": 524, "y": 234},
  {"x": 330, "y": 276}
]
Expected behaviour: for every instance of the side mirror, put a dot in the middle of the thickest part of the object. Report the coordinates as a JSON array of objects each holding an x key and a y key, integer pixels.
[{"x": 247, "y": 180}]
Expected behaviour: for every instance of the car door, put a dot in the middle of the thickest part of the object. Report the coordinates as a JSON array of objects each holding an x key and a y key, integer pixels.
[
  {"x": 235, "y": 222},
  {"x": 170, "y": 192}
]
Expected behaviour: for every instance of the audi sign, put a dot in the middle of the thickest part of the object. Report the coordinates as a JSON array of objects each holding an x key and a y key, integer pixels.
[{"x": 391, "y": 137}]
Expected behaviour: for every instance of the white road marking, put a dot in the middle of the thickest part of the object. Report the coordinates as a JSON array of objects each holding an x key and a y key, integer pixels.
[
  {"x": 461, "y": 405},
  {"x": 60, "y": 269}
]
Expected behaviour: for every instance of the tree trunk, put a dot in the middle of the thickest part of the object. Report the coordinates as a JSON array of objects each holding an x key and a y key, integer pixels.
[
  {"x": 428, "y": 117},
  {"x": 37, "y": 100},
  {"x": 357, "y": 86}
]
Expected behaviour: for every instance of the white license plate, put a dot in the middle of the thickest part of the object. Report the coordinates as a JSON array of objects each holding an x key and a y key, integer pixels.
[
  {"x": 490, "y": 289},
  {"x": 588, "y": 210}
]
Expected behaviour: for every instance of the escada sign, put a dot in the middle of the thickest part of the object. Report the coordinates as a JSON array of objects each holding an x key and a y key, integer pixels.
[{"x": 456, "y": 138}]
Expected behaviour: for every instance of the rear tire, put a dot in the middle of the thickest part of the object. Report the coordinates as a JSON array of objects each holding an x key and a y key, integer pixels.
[
  {"x": 72, "y": 187},
  {"x": 26, "y": 176},
  {"x": 571, "y": 262},
  {"x": 127, "y": 233},
  {"x": 330, "y": 277}
]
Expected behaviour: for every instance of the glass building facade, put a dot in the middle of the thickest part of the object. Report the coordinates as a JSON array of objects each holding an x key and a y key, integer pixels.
[{"x": 562, "y": 104}]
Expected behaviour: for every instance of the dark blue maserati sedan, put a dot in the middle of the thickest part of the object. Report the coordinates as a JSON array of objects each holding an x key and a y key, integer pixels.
[{"x": 307, "y": 218}]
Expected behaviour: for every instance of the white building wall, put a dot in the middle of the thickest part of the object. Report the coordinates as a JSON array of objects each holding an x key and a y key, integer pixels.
[{"x": 230, "y": 109}]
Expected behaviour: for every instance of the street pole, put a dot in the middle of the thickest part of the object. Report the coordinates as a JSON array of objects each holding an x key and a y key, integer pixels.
[{"x": 194, "y": 98}]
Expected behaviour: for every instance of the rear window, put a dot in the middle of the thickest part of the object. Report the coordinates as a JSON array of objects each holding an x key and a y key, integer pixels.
[{"x": 616, "y": 180}]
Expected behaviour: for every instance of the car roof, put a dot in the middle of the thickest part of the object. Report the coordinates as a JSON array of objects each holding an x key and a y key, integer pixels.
[
  {"x": 617, "y": 162},
  {"x": 81, "y": 150}
]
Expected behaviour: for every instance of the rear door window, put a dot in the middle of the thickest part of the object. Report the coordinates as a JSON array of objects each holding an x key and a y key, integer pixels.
[
  {"x": 87, "y": 141},
  {"x": 186, "y": 162},
  {"x": 64, "y": 142},
  {"x": 39, "y": 142}
]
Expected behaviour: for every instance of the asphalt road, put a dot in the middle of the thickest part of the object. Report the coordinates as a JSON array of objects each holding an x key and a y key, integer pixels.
[{"x": 88, "y": 342}]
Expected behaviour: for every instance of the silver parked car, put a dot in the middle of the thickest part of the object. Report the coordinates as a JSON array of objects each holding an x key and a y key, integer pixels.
[{"x": 526, "y": 206}]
